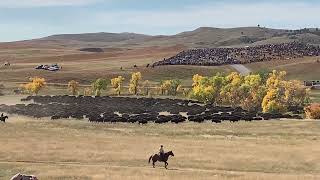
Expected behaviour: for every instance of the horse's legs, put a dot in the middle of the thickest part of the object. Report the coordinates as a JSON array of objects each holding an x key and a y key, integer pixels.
[
  {"x": 165, "y": 164},
  {"x": 153, "y": 164}
]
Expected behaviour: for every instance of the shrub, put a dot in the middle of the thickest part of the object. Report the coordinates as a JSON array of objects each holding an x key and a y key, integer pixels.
[{"x": 313, "y": 111}]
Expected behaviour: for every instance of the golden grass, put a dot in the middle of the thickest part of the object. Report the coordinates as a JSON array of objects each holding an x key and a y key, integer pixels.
[{"x": 69, "y": 149}]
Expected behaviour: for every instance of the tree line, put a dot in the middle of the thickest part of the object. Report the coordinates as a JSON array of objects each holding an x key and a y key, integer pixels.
[{"x": 268, "y": 92}]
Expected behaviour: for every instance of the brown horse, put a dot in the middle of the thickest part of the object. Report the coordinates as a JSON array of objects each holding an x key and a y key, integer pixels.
[
  {"x": 3, "y": 118},
  {"x": 156, "y": 158}
]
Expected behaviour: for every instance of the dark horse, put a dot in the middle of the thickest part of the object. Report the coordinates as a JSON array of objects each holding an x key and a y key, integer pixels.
[
  {"x": 156, "y": 158},
  {"x": 3, "y": 118}
]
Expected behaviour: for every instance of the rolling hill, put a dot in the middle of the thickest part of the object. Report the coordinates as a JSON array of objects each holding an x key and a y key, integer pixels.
[
  {"x": 204, "y": 37},
  {"x": 127, "y": 49}
]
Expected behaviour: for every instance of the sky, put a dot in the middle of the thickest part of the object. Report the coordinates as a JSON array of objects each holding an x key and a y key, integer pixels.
[{"x": 28, "y": 19}]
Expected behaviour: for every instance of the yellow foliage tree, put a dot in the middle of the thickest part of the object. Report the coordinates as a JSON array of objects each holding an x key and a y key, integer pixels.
[
  {"x": 35, "y": 85},
  {"x": 116, "y": 83},
  {"x": 134, "y": 83},
  {"x": 73, "y": 87},
  {"x": 274, "y": 101},
  {"x": 207, "y": 89},
  {"x": 231, "y": 93},
  {"x": 253, "y": 92}
]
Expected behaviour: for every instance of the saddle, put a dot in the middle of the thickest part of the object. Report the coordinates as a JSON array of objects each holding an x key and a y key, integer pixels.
[{"x": 161, "y": 157}]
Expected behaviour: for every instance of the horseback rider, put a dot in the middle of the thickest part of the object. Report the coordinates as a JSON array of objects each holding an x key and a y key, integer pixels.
[
  {"x": 2, "y": 115},
  {"x": 161, "y": 152}
]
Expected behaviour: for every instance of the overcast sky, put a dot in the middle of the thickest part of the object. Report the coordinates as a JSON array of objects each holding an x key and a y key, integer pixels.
[{"x": 27, "y": 19}]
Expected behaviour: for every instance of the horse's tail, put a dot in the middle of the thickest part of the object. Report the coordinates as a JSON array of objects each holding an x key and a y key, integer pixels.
[{"x": 150, "y": 159}]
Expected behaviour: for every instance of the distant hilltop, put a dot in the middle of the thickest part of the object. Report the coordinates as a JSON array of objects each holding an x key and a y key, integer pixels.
[{"x": 203, "y": 37}]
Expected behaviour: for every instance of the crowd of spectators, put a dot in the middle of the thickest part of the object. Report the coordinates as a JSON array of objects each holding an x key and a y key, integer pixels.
[{"x": 222, "y": 56}]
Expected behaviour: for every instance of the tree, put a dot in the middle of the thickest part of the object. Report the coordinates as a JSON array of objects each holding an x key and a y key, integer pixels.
[
  {"x": 35, "y": 85},
  {"x": 73, "y": 87},
  {"x": 99, "y": 85},
  {"x": 134, "y": 83},
  {"x": 116, "y": 83},
  {"x": 253, "y": 91},
  {"x": 296, "y": 95},
  {"x": 146, "y": 86},
  {"x": 170, "y": 87},
  {"x": 231, "y": 93},
  {"x": 274, "y": 101},
  {"x": 313, "y": 111},
  {"x": 207, "y": 89},
  {"x": 87, "y": 92},
  {"x": 264, "y": 75}
]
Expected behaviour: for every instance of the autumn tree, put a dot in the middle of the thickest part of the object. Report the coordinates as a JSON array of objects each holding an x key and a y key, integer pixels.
[
  {"x": 296, "y": 95},
  {"x": 252, "y": 92},
  {"x": 116, "y": 84},
  {"x": 283, "y": 95},
  {"x": 87, "y": 91},
  {"x": 135, "y": 82},
  {"x": 170, "y": 87},
  {"x": 202, "y": 90},
  {"x": 73, "y": 87},
  {"x": 313, "y": 111},
  {"x": 35, "y": 85},
  {"x": 274, "y": 100},
  {"x": 231, "y": 92},
  {"x": 99, "y": 85}
]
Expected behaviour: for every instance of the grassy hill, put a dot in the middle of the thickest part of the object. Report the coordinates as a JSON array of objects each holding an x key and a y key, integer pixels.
[
  {"x": 126, "y": 49},
  {"x": 199, "y": 38}
]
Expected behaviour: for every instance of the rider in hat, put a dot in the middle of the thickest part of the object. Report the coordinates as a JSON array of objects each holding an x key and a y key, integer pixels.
[{"x": 161, "y": 152}]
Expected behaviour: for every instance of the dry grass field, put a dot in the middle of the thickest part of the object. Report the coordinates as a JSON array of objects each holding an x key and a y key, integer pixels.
[
  {"x": 70, "y": 149},
  {"x": 79, "y": 150}
]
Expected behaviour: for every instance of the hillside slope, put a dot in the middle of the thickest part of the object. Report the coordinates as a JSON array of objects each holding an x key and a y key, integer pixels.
[{"x": 204, "y": 37}]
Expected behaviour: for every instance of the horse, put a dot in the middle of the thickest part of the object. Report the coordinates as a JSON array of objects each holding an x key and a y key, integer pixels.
[
  {"x": 156, "y": 158},
  {"x": 3, "y": 118}
]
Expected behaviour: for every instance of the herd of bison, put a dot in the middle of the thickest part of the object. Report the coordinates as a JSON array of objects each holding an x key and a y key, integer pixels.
[{"x": 132, "y": 110}]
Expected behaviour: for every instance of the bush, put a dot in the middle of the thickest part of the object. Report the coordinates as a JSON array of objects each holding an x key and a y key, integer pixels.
[{"x": 313, "y": 111}]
